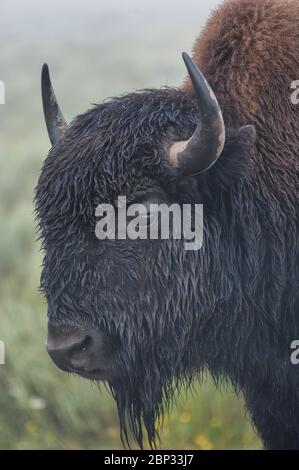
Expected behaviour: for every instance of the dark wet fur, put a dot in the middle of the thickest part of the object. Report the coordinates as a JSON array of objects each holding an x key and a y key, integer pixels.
[{"x": 231, "y": 308}]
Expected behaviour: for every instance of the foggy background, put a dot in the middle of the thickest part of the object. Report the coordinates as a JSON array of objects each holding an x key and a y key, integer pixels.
[{"x": 95, "y": 49}]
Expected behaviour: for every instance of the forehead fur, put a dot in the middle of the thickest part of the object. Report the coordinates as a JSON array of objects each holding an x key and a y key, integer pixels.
[
  {"x": 113, "y": 145},
  {"x": 113, "y": 133}
]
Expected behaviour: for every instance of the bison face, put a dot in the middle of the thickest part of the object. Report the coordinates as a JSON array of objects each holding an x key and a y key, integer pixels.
[{"x": 128, "y": 311}]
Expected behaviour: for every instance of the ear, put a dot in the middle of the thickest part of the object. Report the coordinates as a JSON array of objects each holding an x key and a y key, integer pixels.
[
  {"x": 233, "y": 166},
  {"x": 246, "y": 135}
]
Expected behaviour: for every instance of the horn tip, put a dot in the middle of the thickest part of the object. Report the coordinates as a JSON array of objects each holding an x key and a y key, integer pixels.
[
  {"x": 192, "y": 68},
  {"x": 186, "y": 58},
  {"x": 45, "y": 68},
  {"x": 45, "y": 75}
]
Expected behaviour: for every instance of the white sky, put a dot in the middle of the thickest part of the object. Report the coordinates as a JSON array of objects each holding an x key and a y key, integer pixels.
[{"x": 21, "y": 15}]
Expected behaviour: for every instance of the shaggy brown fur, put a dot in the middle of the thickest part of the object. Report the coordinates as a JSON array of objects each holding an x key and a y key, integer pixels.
[{"x": 249, "y": 52}]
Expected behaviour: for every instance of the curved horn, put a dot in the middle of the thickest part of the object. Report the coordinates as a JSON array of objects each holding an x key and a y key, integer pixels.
[
  {"x": 201, "y": 151},
  {"x": 55, "y": 121}
]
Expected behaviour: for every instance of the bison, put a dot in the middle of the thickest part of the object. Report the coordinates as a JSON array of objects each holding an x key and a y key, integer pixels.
[{"x": 147, "y": 316}]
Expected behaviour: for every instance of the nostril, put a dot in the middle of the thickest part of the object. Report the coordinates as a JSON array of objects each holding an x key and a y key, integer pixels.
[
  {"x": 75, "y": 355},
  {"x": 80, "y": 347},
  {"x": 77, "y": 350}
]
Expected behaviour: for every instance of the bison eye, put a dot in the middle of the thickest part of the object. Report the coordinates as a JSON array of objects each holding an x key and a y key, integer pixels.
[
  {"x": 148, "y": 218},
  {"x": 148, "y": 207}
]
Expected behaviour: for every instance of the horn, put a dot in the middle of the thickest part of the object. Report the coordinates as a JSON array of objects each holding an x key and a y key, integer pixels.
[
  {"x": 201, "y": 151},
  {"x": 55, "y": 121}
]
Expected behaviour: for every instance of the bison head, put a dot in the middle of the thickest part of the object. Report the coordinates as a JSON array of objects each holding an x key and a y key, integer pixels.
[{"x": 135, "y": 313}]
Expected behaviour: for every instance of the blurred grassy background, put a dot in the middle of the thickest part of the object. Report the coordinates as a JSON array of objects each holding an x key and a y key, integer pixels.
[{"x": 95, "y": 50}]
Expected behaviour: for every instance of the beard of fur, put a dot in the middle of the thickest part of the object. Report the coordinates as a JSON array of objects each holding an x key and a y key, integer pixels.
[
  {"x": 135, "y": 415},
  {"x": 144, "y": 391}
]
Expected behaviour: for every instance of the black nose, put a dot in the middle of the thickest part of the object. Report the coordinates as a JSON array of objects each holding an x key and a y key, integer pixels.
[{"x": 85, "y": 352}]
